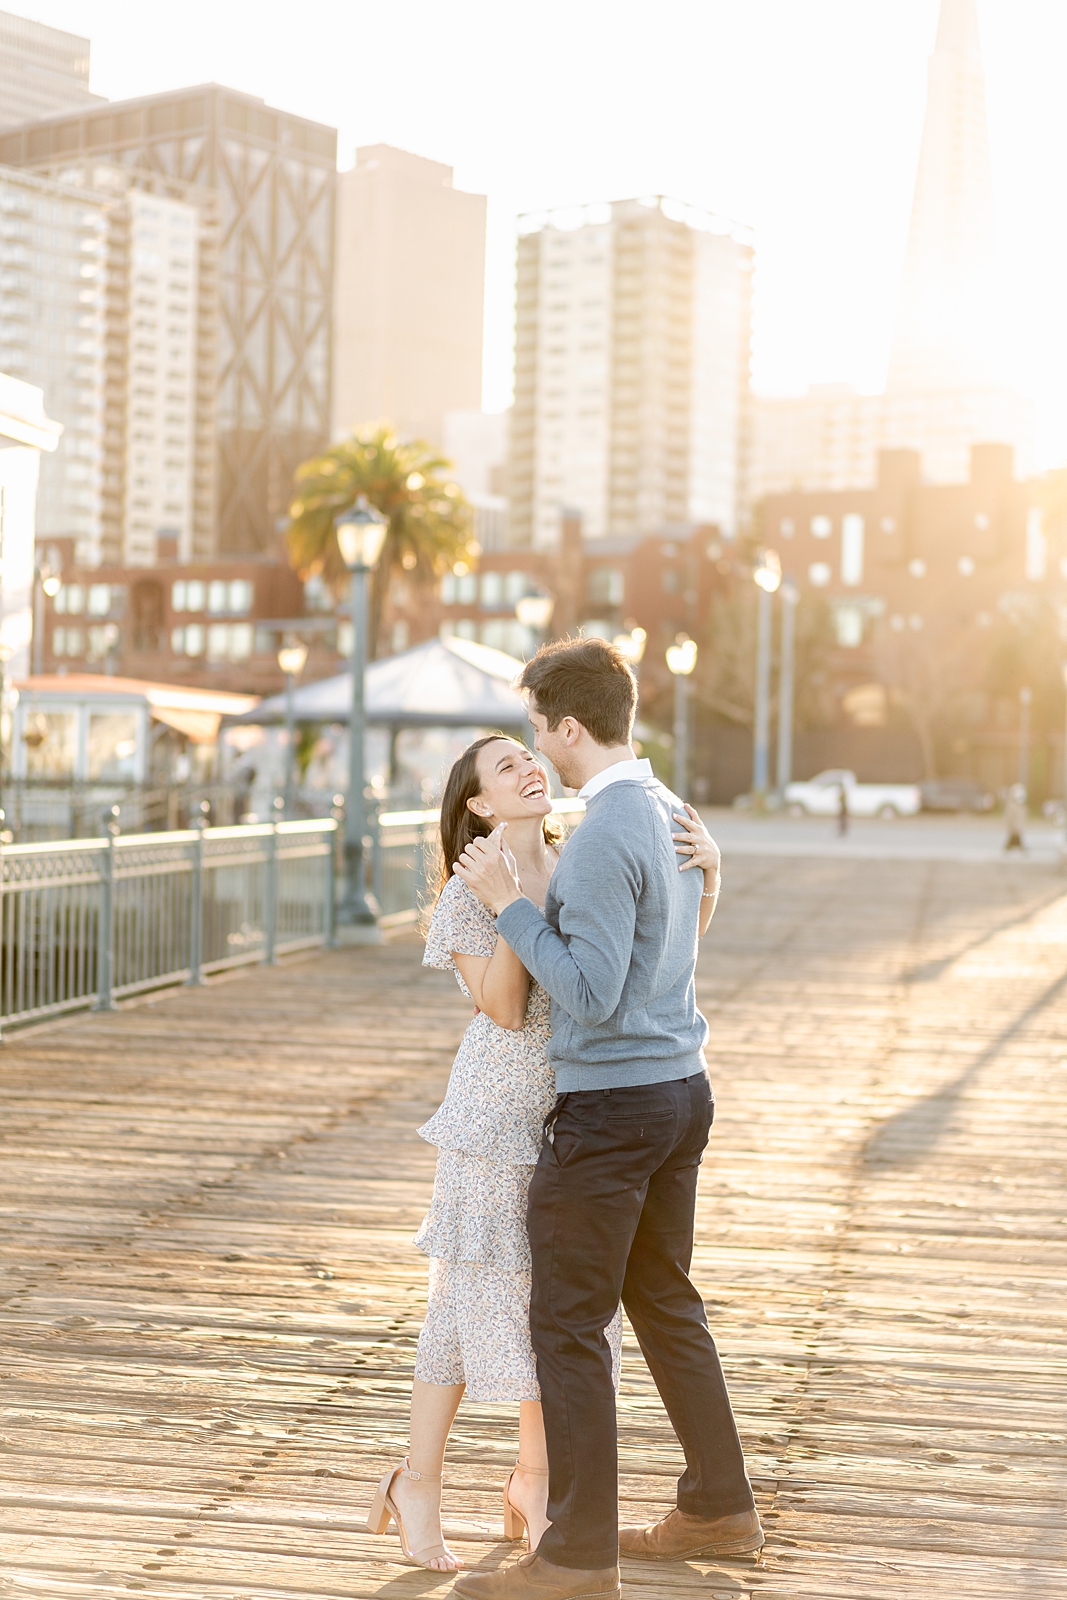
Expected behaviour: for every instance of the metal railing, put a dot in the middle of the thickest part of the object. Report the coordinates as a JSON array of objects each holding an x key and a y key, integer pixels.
[{"x": 91, "y": 921}]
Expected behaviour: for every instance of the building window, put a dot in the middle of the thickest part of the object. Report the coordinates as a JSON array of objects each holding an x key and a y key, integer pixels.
[
  {"x": 822, "y": 527},
  {"x": 607, "y": 586},
  {"x": 515, "y": 586},
  {"x": 188, "y": 641},
  {"x": 852, "y": 550},
  {"x": 1036, "y": 545},
  {"x": 229, "y": 641},
  {"x": 68, "y": 642},
  {"x": 848, "y": 625},
  {"x": 188, "y": 594},
  {"x": 51, "y": 741},
  {"x": 492, "y": 590},
  {"x": 99, "y": 599},
  {"x": 819, "y": 574},
  {"x": 70, "y": 601},
  {"x": 112, "y": 746},
  {"x": 234, "y": 597}
]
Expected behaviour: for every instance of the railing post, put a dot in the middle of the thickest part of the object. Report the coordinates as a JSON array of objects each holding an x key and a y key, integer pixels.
[
  {"x": 105, "y": 939},
  {"x": 196, "y": 905},
  {"x": 3, "y": 821},
  {"x": 271, "y": 908},
  {"x": 329, "y": 920},
  {"x": 377, "y": 860}
]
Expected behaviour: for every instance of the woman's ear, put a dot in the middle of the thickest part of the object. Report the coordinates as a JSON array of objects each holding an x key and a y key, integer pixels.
[{"x": 479, "y": 807}]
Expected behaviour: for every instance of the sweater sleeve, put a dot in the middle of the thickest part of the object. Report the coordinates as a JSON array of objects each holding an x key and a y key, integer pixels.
[{"x": 583, "y": 966}]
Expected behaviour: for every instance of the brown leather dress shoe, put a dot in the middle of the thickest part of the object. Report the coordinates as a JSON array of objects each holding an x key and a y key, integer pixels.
[
  {"x": 533, "y": 1578},
  {"x": 679, "y": 1536}
]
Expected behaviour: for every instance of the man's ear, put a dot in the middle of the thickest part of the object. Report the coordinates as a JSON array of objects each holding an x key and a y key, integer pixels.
[{"x": 570, "y": 729}]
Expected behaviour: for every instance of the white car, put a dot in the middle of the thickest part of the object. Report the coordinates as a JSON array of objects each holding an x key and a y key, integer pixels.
[{"x": 821, "y": 797}]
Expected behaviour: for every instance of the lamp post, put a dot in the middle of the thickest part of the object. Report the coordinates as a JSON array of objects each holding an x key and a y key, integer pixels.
[
  {"x": 47, "y": 581},
  {"x": 790, "y": 596},
  {"x": 1025, "y": 697},
  {"x": 681, "y": 659},
  {"x": 632, "y": 645},
  {"x": 534, "y": 611},
  {"x": 291, "y": 659},
  {"x": 360, "y": 535},
  {"x": 767, "y": 576}
]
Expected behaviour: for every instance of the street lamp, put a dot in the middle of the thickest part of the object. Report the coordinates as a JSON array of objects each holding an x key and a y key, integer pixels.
[
  {"x": 767, "y": 575},
  {"x": 1025, "y": 697},
  {"x": 681, "y": 659},
  {"x": 790, "y": 597},
  {"x": 534, "y": 611},
  {"x": 360, "y": 535},
  {"x": 291, "y": 659},
  {"x": 632, "y": 645},
  {"x": 48, "y": 581}
]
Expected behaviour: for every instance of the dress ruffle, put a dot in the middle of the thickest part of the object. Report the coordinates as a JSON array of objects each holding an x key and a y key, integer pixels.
[{"x": 477, "y": 1213}]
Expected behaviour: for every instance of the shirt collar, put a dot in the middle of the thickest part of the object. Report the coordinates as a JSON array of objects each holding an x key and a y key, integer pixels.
[{"x": 621, "y": 772}]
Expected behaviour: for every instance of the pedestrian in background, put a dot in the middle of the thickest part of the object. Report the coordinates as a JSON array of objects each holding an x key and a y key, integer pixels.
[
  {"x": 842, "y": 810},
  {"x": 1015, "y": 817}
]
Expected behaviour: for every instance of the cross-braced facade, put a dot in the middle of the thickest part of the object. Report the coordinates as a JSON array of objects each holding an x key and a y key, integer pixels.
[{"x": 273, "y": 177}]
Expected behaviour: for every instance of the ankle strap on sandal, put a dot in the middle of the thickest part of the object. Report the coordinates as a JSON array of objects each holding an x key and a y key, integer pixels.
[
  {"x": 416, "y": 1477},
  {"x": 535, "y": 1472}
]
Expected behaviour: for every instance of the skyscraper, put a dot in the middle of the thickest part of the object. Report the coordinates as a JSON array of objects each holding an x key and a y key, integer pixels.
[
  {"x": 944, "y": 392},
  {"x": 631, "y": 372},
  {"x": 42, "y": 70},
  {"x": 947, "y": 294},
  {"x": 264, "y": 302},
  {"x": 409, "y": 298},
  {"x": 53, "y": 314}
]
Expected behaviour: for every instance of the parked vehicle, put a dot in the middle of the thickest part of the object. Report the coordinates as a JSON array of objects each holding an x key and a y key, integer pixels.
[
  {"x": 956, "y": 794},
  {"x": 821, "y": 797}
]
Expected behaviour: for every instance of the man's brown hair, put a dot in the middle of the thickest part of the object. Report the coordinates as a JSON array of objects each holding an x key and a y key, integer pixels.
[{"x": 587, "y": 679}]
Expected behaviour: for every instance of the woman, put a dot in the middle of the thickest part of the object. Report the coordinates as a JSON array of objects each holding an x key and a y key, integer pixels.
[{"x": 488, "y": 1132}]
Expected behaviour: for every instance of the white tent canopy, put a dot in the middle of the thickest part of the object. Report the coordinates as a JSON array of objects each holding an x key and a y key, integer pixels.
[{"x": 444, "y": 683}]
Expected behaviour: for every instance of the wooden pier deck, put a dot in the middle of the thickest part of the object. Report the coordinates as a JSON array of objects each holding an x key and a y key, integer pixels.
[{"x": 209, "y": 1301}]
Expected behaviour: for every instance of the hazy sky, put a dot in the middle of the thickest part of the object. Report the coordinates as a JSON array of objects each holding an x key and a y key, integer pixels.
[{"x": 801, "y": 118}]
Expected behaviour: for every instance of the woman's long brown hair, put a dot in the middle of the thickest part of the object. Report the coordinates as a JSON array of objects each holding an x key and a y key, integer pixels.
[{"x": 459, "y": 824}]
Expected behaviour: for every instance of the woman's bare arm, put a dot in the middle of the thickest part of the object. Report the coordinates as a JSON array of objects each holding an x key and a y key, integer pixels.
[
  {"x": 500, "y": 984},
  {"x": 696, "y": 843}
]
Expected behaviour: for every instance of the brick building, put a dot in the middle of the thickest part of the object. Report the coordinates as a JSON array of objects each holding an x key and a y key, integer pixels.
[{"x": 927, "y": 585}]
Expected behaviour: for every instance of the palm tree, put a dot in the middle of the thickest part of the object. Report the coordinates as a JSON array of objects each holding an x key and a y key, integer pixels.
[{"x": 407, "y": 481}]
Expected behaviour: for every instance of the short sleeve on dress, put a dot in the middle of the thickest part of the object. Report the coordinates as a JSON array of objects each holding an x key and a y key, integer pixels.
[{"x": 460, "y": 922}]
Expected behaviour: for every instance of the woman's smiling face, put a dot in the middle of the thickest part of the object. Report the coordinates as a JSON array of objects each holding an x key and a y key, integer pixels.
[{"x": 514, "y": 785}]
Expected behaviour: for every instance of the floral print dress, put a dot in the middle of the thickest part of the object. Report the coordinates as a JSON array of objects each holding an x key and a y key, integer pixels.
[{"x": 488, "y": 1135}]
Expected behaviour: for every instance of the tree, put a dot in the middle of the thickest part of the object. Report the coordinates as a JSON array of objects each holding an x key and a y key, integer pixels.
[
  {"x": 407, "y": 481},
  {"x": 929, "y": 673}
]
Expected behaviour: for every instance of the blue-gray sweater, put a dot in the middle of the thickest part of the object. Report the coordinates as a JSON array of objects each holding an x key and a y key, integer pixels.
[{"x": 616, "y": 948}]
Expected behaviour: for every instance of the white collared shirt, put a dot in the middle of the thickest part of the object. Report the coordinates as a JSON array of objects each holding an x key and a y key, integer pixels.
[{"x": 623, "y": 771}]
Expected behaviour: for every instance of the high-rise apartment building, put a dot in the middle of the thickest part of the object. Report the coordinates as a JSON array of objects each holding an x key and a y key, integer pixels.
[
  {"x": 151, "y": 416},
  {"x": 943, "y": 393},
  {"x": 42, "y": 70},
  {"x": 98, "y": 308},
  {"x": 53, "y": 321},
  {"x": 264, "y": 288},
  {"x": 409, "y": 298},
  {"x": 632, "y": 343}
]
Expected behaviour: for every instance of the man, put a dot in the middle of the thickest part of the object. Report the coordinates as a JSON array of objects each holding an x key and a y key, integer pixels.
[{"x": 612, "y": 1199}]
